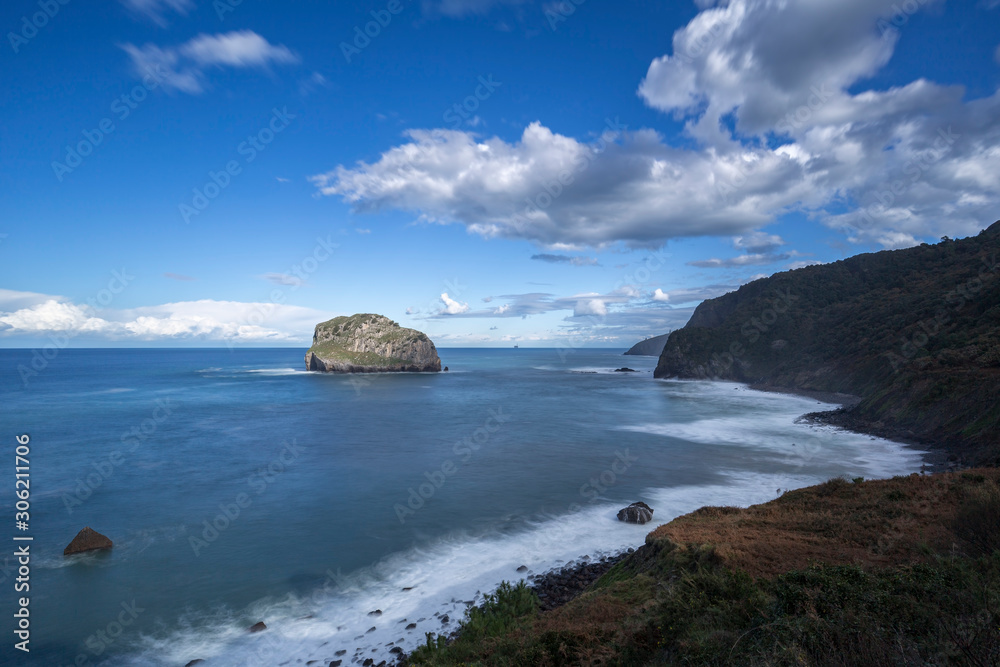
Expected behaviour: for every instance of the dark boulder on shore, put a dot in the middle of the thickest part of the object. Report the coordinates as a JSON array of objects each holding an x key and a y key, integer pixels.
[
  {"x": 87, "y": 539},
  {"x": 636, "y": 513}
]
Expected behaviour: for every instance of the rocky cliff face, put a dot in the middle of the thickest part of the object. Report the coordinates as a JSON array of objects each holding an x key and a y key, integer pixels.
[
  {"x": 914, "y": 333},
  {"x": 651, "y": 347},
  {"x": 370, "y": 344}
]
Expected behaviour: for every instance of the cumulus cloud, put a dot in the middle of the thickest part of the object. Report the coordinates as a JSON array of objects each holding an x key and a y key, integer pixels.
[
  {"x": 183, "y": 67},
  {"x": 590, "y": 307},
  {"x": 452, "y": 307},
  {"x": 778, "y": 120},
  {"x": 205, "y": 320},
  {"x": 661, "y": 296},
  {"x": 637, "y": 189},
  {"x": 154, "y": 10},
  {"x": 758, "y": 241},
  {"x": 585, "y": 305}
]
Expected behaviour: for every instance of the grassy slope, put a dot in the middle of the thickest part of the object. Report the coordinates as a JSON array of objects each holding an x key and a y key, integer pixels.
[
  {"x": 901, "y": 571},
  {"x": 915, "y": 333}
]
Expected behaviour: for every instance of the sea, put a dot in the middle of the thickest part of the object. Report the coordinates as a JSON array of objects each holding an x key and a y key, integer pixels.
[{"x": 355, "y": 514}]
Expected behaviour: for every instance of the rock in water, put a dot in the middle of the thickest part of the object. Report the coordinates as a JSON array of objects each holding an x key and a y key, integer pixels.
[
  {"x": 258, "y": 627},
  {"x": 636, "y": 513},
  {"x": 370, "y": 344},
  {"x": 87, "y": 539}
]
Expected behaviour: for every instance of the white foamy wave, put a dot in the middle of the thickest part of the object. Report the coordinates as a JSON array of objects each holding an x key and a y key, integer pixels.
[
  {"x": 276, "y": 371},
  {"x": 433, "y": 586}
]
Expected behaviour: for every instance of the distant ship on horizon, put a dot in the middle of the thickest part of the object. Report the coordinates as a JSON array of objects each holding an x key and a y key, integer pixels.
[{"x": 515, "y": 346}]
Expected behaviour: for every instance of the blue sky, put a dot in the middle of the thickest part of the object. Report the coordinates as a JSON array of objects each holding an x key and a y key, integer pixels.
[{"x": 194, "y": 173}]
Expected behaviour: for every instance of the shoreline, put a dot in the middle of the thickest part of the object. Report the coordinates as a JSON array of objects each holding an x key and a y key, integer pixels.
[{"x": 936, "y": 457}]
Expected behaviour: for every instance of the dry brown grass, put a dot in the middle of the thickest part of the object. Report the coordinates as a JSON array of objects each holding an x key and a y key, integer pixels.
[{"x": 874, "y": 523}]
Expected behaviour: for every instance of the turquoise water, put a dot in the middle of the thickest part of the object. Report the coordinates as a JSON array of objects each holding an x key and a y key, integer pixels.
[{"x": 239, "y": 488}]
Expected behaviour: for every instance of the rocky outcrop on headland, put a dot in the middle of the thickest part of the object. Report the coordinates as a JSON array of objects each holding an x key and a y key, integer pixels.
[{"x": 367, "y": 343}]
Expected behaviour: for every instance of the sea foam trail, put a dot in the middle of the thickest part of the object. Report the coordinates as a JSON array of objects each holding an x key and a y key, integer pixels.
[
  {"x": 443, "y": 579},
  {"x": 434, "y": 585}
]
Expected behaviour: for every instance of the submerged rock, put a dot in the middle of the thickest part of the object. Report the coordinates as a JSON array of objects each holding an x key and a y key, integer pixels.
[
  {"x": 370, "y": 344},
  {"x": 636, "y": 513},
  {"x": 258, "y": 627},
  {"x": 625, "y": 370},
  {"x": 87, "y": 539}
]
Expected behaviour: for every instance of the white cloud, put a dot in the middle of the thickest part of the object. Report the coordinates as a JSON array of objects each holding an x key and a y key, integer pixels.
[
  {"x": 802, "y": 264},
  {"x": 590, "y": 307},
  {"x": 885, "y": 166},
  {"x": 236, "y": 49},
  {"x": 154, "y": 10},
  {"x": 661, "y": 296},
  {"x": 24, "y": 314},
  {"x": 557, "y": 259},
  {"x": 452, "y": 307},
  {"x": 460, "y": 8},
  {"x": 639, "y": 190},
  {"x": 758, "y": 242},
  {"x": 750, "y": 259},
  {"x": 183, "y": 68}
]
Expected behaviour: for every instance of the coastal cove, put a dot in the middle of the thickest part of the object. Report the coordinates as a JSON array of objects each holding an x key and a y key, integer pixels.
[{"x": 407, "y": 494}]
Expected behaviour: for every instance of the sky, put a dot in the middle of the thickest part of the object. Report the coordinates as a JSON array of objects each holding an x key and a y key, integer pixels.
[{"x": 571, "y": 173}]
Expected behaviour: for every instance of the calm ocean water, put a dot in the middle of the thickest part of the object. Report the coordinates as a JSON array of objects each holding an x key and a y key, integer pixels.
[{"x": 238, "y": 488}]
